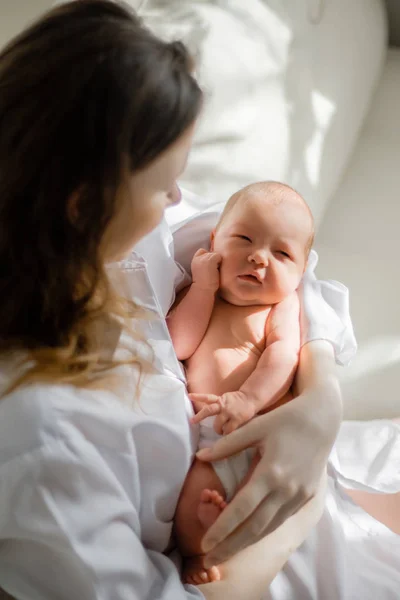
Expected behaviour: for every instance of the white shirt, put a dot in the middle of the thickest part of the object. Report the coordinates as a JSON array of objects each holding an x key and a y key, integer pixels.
[{"x": 89, "y": 485}]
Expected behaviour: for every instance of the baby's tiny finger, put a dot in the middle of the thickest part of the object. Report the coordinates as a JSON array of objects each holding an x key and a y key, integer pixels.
[
  {"x": 200, "y": 415},
  {"x": 207, "y": 411},
  {"x": 220, "y": 423},
  {"x": 200, "y": 252},
  {"x": 196, "y": 419},
  {"x": 203, "y": 398}
]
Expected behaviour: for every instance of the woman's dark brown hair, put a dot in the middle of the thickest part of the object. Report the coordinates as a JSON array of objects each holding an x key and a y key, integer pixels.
[{"x": 86, "y": 93}]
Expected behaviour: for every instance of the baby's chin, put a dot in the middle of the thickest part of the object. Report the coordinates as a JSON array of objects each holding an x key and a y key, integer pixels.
[{"x": 238, "y": 298}]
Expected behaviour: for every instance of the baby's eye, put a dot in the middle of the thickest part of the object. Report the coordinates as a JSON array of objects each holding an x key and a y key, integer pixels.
[
  {"x": 244, "y": 237},
  {"x": 283, "y": 253}
]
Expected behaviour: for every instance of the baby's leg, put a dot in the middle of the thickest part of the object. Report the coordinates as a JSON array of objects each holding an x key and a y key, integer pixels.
[
  {"x": 383, "y": 507},
  {"x": 192, "y": 518},
  {"x": 201, "y": 501}
]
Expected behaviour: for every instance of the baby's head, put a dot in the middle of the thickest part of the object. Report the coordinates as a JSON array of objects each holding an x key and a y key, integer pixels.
[{"x": 264, "y": 236}]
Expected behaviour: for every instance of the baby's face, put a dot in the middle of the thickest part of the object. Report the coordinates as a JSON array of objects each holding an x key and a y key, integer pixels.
[{"x": 263, "y": 249}]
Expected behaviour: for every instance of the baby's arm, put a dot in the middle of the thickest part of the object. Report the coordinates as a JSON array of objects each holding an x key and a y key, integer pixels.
[
  {"x": 276, "y": 368},
  {"x": 270, "y": 380},
  {"x": 189, "y": 318}
]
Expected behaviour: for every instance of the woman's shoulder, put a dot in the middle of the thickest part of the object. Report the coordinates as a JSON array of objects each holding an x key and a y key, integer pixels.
[{"x": 44, "y": 415}]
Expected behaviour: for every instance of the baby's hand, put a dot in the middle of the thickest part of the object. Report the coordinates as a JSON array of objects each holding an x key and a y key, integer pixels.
[
  {"x": 232, "y": 410},
  {"x": 205, "y": 269}
]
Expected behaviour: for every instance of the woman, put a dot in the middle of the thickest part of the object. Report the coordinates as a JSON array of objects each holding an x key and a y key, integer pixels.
[{"x": 96, "y": 121}]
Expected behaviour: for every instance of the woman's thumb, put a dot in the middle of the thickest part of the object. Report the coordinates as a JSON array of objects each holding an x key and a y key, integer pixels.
[{"x": 228, "y": 445}]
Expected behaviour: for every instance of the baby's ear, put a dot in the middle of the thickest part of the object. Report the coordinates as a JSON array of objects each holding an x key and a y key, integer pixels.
[{"x": 212, "y": 236}]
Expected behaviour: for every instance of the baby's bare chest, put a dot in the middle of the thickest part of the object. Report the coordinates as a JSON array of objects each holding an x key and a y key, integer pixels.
[
  {"x": 237, "y": 327},
  {"x": 230, "y": 349}
]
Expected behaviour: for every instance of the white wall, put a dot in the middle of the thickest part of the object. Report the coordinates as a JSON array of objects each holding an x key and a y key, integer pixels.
[{"x": 15, "y": 14}]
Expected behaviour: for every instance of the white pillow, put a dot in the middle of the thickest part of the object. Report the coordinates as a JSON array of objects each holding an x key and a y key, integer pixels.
[{"x": 287, "y": 84}]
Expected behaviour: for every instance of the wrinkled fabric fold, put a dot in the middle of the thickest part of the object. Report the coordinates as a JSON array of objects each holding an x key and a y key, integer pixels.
[{"x": 325, "y": 313}]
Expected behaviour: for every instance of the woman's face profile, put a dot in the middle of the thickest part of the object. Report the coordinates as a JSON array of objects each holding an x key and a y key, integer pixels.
[{"x": 147, "y": 193}]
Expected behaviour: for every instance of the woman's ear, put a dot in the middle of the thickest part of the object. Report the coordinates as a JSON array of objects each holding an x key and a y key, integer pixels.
[
  {"x": 212, "y": 237},
  {"x": 73, "y": 205}
]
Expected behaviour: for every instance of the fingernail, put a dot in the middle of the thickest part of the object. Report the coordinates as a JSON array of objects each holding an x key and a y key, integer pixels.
[{"x": 204, "y": 454}]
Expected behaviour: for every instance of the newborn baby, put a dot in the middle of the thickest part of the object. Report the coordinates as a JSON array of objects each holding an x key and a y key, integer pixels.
[{"x": 237, "y": 329}]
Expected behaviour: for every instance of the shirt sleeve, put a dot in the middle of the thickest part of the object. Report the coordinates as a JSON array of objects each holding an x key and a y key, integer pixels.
[
  {"x": 70, "y": 530},
  {"x": 325, "y": 313}
]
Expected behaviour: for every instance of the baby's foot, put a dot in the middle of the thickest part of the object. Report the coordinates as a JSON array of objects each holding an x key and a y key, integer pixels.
[
  {"x": 195, "y": 573},
  {"x": 210, "y": 507}
]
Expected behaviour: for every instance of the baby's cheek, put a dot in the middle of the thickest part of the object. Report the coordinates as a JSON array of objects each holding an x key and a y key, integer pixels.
[
  {"x": 223, "y": 274},
  {"x": 294, "y": 281},
  {"x": 288, "y": 280},
  {"x": 226, "y": 266}
]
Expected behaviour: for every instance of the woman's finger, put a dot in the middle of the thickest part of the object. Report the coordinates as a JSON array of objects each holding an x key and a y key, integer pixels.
[
  {"x": 253, "y": 529},
  {"x": 286, "y": 511},
  {"x": 269, "y": 515},
  {"x": 230, "y": 425},
  {"x": 297, "y": 503},
  {"x": 312, "y": 511},
  {"x": 248, "y": 532},
  {"x": 242, "y": 506},
  {"x": 244, "y": 437}
]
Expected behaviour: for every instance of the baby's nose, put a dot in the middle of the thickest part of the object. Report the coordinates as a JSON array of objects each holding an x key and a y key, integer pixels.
[{"x": 260, "y": 257}]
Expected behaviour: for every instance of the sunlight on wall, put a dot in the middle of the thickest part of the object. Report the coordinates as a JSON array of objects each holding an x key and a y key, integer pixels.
[
  {"x": 324, "y": 110},
  {"x": 377, "y": 354}
]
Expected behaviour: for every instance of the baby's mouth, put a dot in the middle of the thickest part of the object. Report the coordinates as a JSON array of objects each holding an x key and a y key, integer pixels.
[{"x": 251, "y": 278}]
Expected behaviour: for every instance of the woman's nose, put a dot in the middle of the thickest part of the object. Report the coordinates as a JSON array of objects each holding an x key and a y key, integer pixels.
[{"x": 174, "y": 196}]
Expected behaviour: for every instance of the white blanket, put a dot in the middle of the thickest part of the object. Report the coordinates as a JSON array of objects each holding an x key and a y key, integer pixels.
[{"x": 349, "y": 555}]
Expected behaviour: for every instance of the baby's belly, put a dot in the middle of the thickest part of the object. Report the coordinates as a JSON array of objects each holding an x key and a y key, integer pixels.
[{"x": 217, "y": 370}]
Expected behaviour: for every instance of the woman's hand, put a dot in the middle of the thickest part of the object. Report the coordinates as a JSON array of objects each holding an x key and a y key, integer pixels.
[
  {"x": 249, "y": 573},
  {"x": 294, "y": 442}
]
